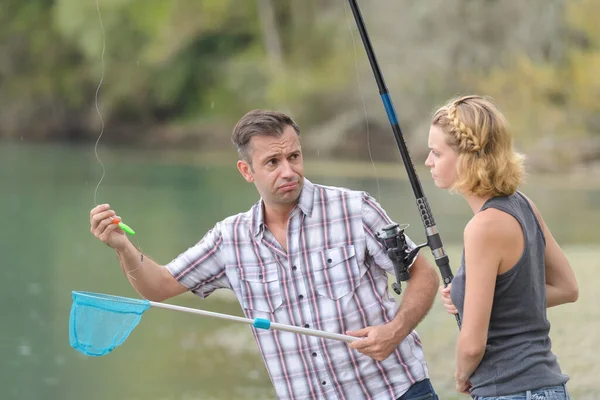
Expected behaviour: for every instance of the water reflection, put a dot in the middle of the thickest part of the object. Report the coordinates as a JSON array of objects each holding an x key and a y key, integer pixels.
[{"x": 48, "y": 252}]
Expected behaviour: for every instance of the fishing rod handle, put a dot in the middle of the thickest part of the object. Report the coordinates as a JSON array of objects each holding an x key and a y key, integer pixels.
[
  {"x": 434, "y": 241},
  {"x": 443, "y": 264}
]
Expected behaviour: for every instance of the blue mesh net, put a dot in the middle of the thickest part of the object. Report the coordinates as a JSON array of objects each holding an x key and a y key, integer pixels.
[{"x": 99, "y": 322}]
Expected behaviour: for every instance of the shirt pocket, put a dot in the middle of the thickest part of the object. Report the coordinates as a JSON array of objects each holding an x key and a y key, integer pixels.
[
  {"x": 335, "y": 271},
  {"x": 261, "y": 287}
]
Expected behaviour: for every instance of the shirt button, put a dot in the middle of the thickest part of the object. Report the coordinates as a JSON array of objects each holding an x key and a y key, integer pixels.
[
  {"x": 260, "y": 276},
  {"x": 323, "y": 383},
  {"x": 306, "y": 325},
  {"x": 294, "y": 268},
  {"x": 329, "y": 260},
  {"x": 301, "y": 297},
  {"x": 314, "y": 354}
]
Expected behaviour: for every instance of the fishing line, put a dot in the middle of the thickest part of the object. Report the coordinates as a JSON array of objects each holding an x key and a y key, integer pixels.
[
  {"x": 362, "y": 98},
  {"x": 96, "y": 101},
  {"x": 122, "y": 225}
]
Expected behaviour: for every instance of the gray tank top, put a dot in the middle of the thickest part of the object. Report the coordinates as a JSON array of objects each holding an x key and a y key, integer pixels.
[{"x": 518, "y": 354}]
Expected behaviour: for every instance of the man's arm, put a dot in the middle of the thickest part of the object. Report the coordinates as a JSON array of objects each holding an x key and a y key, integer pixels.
[
  {"x": 380, "y": 341},
  {"x": 198, "y": 269},
  {"x": 418, "y": 297},
  {"x": 151, "y": 280}
]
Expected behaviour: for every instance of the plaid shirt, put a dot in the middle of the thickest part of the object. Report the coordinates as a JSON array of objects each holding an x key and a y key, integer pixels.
[{"x": 332, "y": 278}]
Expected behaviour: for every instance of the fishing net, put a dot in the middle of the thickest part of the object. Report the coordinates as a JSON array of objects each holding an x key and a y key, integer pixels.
[{"x": 99, "y": 322}]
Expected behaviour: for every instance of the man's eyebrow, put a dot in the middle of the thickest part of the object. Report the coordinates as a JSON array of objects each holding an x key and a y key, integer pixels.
[
  {"x": 279, "y": 154},
  {"x": 270, "y": 156}
]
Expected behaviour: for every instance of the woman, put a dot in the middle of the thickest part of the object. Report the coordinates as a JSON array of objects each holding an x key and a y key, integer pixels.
[{"x": 512, "y": 268}]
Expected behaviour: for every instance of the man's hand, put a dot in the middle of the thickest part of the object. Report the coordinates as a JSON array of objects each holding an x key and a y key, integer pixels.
[
  {"x": 377, "y": 342},
  {"x": 103, "y": 227}
]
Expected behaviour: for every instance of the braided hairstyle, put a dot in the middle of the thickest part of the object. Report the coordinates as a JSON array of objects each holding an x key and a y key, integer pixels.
[{"x": 487, "y": 163}]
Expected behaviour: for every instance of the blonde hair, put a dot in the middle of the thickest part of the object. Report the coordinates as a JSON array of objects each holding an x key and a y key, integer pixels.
[{"x": 487, "y": 163}]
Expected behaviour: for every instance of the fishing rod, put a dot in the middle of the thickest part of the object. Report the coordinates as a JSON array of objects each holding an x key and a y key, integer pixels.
[{"x": 392, "y": 236}]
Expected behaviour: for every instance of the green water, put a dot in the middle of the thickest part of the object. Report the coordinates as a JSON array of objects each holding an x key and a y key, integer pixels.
[{"x": 46, "y": 195}]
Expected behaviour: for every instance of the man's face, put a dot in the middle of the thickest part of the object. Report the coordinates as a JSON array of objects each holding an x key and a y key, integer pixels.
[{"x": 277, "y": 168}]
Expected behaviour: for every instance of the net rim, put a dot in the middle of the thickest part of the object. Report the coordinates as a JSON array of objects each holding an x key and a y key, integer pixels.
[{"x": 109, "y": 302}]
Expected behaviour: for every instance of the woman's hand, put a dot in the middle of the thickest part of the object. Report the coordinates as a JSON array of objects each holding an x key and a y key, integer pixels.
[
  {"x": 463, "y": 387},
  {"x": 445, "y": 295}
]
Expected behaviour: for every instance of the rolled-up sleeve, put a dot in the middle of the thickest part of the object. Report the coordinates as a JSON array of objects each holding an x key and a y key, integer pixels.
[{"x": 199, "y": 268}]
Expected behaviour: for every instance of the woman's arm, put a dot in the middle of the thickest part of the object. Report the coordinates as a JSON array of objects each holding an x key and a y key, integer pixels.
[
  {"x": 561, "y": 284},
  {"x": 483, "y": 240}
]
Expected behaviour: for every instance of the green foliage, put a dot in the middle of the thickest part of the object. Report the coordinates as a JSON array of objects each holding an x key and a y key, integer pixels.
[
  {"x": 196, "y": 66},
  {"x": 554, "y": 99}
]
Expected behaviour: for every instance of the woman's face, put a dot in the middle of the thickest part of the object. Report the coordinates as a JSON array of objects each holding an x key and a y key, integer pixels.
[{"x": 442, "y": 159}]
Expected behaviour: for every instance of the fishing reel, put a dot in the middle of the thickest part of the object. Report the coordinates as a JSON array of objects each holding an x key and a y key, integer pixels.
[{"x": 394, "y": 242}]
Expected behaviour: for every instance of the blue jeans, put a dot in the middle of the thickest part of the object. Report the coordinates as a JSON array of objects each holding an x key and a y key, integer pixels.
[
  {"x": 548, "y": 393},
  {"x": 421, "y": 390}
]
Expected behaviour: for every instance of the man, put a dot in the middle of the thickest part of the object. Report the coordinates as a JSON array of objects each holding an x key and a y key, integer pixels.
[{"x": 303, "y": 255}]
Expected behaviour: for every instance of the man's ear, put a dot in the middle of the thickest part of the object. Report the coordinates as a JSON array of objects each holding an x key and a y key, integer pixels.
[{"x": 245, "y": 170}]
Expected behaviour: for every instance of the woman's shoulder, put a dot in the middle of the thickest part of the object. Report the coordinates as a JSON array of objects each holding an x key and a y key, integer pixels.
[
  {"x": 491, "y": 226},
  {"x": 531, "y": 204}
]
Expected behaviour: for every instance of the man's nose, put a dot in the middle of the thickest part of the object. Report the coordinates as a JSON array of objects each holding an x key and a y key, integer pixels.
[{"x": 286, "y": 169}]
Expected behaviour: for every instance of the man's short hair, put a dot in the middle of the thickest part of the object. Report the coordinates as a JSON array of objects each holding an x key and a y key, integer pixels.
[{"x": 259, "y": 123}]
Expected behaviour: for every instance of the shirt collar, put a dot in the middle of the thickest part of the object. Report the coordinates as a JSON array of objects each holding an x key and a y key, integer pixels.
[
  {"x": 305, "y": 204},
  {"x": 307, "y": 198}
]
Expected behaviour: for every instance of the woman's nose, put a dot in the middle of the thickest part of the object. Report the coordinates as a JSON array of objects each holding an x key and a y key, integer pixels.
[{"x": 428, "y": 161}]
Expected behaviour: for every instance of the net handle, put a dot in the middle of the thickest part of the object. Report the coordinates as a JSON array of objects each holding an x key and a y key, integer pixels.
[{"x": 260, "y": 323}]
